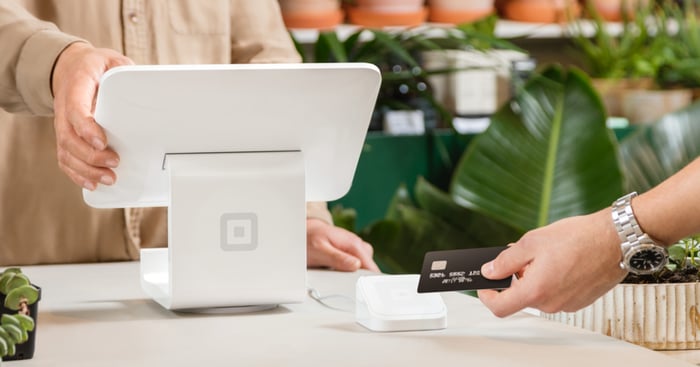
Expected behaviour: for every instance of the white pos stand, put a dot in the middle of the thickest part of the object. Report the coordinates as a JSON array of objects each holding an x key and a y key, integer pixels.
[{"x": 234, "y": 151}]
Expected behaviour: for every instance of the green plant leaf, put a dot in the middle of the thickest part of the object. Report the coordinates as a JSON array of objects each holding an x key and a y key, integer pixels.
[
  {"x": 11, "y": 270},
  {"x": 392, "y": 44},
  {"x": 4, "y": 335},
  {"x": 4, "y": 280},
  {"x": 14, "y": 331},
  {"x": 14, "y": 280},
  {"x": 531, "y": 167},
  {"x": 401, "y": 197},
  {"x": 677, "y": 254},
  {"x": 11, "y": 349},
  {"x": 400, "y": 243},
  {"x": 14, "y": 298},
  {"x": 422, "y": 231},
  {"x": 386, "y": 237},
  {"x": 26, "y": 322},
  {"x": 7, "y": 319},
  {"x": 547, "y": 155},
  {"x": 329, "y": 48},
  {"x": 344, "y": 217},
  {"x": 3, "y": 347},
  {"x": 479, "y": 230},
  {"x": 654, "y": 152}
]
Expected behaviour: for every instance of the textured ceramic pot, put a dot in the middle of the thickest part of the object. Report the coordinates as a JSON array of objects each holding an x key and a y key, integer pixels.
[
  {"x": 648, "y": 106},
  {"x": 612, "y": 91},
  {"x": 656, "y": 316}
]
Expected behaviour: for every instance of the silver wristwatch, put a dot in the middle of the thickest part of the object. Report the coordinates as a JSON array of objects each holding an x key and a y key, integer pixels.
[{"x": 640, "y": 253}]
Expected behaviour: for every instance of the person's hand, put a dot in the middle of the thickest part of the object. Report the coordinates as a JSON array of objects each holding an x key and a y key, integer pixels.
[
  {"x": 564, "y": 266},
  {"x": 336, "y": 248},
  {"x": 81, "y": 143}
]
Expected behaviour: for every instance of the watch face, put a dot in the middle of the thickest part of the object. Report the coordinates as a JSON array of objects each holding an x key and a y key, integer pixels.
[{"x": 647, "y": 259}]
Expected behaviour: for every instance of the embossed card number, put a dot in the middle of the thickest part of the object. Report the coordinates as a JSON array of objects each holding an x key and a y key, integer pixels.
[{"x": 459, "y": 270}]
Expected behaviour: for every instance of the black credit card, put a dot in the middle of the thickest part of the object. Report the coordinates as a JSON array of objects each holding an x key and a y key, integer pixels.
[{"x": 459, "y": 270}]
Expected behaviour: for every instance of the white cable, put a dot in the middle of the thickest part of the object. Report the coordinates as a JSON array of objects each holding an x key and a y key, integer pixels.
[{"x": 316, "y": 295}]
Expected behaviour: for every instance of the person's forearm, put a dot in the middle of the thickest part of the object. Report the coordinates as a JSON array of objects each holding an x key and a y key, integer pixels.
[
  {"x": 671, "y": 210},
  {"x": 30, "y": 48}
]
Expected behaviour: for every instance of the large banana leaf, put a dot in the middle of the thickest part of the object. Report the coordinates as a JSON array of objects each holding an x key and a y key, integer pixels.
[
  {"x": 654, "y": 152},
  {"x": 430, "y": 222},
  {"x": 546, "y": 155}
]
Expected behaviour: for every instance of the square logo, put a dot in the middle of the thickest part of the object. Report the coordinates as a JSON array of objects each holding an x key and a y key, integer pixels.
[{"x": 239, "y": 231}]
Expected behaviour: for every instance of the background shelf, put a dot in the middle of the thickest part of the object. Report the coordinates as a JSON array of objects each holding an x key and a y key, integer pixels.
[{"x": 504, "y": 29}]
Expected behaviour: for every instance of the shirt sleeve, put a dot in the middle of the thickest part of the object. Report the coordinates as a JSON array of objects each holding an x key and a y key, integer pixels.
[
  {"x": 258, "y": 33},
  {"x": 319, "y": 210},
  {"x": 30, "y": 48}
]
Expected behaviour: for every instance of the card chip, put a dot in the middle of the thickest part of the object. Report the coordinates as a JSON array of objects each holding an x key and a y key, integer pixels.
[
  {"x": 459, "y": 270},
  {"x": 438, "y": 265}
]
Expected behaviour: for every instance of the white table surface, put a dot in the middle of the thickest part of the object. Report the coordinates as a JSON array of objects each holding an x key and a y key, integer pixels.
[{"x": 97, "y": 315}]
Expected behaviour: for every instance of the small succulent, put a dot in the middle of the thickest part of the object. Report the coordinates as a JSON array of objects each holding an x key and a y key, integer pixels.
[{"x": 19, "y": 293}]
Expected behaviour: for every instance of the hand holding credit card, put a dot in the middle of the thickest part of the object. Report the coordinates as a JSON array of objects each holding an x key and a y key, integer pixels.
[{"x": 459, "y": 270}]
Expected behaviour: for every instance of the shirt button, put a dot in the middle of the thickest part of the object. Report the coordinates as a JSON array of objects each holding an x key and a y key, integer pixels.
[{"x": 133, "y": 17}]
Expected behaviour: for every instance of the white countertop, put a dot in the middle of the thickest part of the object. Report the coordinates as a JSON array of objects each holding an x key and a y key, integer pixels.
[{"x": 97, "y": 315}]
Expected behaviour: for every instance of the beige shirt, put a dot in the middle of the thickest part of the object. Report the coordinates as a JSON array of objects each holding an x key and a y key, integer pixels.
[{"x": 43, "y": 218}]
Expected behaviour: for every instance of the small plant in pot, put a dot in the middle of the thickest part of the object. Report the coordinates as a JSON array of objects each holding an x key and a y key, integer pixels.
[
  {"x": 640, "y": 70},
  {"x": 18, "y": 298},
  {"x": 658, "y": 311},
  {"x": 683, "y": 265}
]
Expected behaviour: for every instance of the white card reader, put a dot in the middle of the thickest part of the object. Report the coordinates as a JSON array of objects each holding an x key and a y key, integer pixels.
[{"x": 392, "y": 303}]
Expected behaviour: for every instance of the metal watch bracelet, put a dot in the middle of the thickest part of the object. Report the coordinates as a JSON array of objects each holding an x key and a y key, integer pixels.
[
  {"x": 626, "y": 224},
  {"x": 640, "y": 253}
]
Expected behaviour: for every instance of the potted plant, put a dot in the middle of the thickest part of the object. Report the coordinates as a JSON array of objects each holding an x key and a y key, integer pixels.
[
  {"x": 459, "y": 11},
  {"x": 683, "y": 33},
  {"x": 657, "y": 311},
  {"x": 399, "y": 56},
  {"x": 540, "y": 11},
  {"x": 18, "y": 311},
  {"x": 317, "y": 14},
  {"x": 386, "y": 13},
  {"x": 626, "y": 65},
  {"x": 617, "y": 10}
]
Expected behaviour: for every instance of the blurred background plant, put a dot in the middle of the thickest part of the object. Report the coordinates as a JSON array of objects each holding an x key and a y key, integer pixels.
[
  {"x": 681, "y": 31},
  {"x": 398, "y": 54},
  {"x": 644, "y": 68},
  {"x": 546, "y": 155}
]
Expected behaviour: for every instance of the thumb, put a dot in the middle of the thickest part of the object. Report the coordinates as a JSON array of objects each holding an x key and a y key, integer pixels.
[{"x": 510, "y": 261}]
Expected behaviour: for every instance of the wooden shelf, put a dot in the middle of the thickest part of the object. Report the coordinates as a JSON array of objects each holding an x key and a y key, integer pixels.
[
  {"x": 511, "y": 29},
  {"x": 504, "y": 29}
]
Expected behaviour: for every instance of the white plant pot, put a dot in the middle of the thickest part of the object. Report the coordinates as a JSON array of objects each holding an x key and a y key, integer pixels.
[
  {"x": 481, "y": 86},
  {"x": 656, "y": 316},
  {"x": 648, "y": 106}
]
